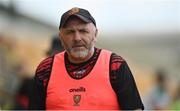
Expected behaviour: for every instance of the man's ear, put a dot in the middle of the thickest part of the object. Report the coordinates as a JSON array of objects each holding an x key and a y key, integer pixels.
[
  {"x": 96, "y": 33},
  {"x": 60, "y": 34}
]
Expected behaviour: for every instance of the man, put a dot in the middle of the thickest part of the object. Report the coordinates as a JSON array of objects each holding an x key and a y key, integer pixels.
[
  {"x": 158, "y": 97},
  {"x": 83, "y": 76}
]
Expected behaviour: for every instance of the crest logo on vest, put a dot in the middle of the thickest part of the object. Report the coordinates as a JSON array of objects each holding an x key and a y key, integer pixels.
[
  {"x": 79, "y": 74},
  {"x": 76, "y": 99}
]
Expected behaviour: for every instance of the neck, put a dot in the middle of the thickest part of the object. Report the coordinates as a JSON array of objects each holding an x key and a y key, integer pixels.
[{"x": 81, "y": 59}]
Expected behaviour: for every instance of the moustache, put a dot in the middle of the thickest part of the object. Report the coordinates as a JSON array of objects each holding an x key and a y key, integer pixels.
[{"x": 78, "y": 45}]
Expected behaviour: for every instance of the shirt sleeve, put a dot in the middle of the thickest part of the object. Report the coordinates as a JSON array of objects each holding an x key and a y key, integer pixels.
[
  {"x": 124, "y": 84},
  {"x": 42, "y": 75}
]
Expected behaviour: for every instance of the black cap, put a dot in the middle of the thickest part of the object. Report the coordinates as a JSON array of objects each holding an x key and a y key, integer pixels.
[{"x": 83, "y": 14}]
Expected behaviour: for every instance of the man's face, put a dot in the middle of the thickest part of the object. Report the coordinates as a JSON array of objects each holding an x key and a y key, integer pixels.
[{"x": 78, "y": 37}]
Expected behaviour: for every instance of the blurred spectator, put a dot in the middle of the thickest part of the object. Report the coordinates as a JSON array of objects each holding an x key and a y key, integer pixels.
[
  {"x": 55, "y": 46},
  {"x": 176, "y": 101},
  {"x": 24, "y": 91},
  {"x": 24, "y": 94},
  {"x": 158, "y": 98}
]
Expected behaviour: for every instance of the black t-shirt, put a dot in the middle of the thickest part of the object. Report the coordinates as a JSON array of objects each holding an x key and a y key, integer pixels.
[{"x": 121, "y": 79}]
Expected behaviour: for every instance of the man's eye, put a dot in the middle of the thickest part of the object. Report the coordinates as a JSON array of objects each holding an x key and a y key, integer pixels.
[
  {"x": 69, "y": 32},
  {"x": 83, "y": 31}
]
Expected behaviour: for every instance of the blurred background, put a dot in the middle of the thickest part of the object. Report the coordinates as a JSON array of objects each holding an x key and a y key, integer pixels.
[{"x": 146, "y": 33}]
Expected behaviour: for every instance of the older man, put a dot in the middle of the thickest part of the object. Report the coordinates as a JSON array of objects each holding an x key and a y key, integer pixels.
[{"x": 83, "y": 76}]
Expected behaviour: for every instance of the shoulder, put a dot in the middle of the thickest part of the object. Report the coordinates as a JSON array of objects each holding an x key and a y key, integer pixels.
[
  {"x": 43, "y": 70},
  {"x": 116, "y": 61},
  {"x": 44, "y": 65},
  {"x": 119, "y": 70}
]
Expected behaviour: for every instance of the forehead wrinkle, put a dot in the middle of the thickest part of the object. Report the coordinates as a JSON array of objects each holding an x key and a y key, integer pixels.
[{"x": 77, "y": 27}]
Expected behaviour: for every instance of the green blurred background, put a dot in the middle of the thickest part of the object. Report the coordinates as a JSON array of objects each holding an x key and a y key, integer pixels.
[{"x": 144, "y": 32}]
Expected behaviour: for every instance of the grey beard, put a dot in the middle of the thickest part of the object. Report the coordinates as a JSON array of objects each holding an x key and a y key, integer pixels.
[{"x": 81, "y": 54}]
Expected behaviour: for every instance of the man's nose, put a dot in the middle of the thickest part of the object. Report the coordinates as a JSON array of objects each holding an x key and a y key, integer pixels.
[{"x": 77, "y": 36}]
